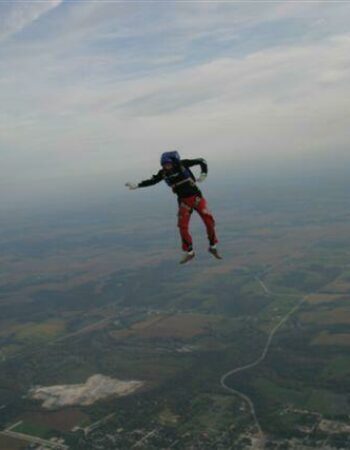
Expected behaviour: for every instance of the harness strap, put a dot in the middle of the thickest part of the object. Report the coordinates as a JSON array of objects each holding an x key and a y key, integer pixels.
[
  {"x": 183, "y": 205},
  {"x": 187, "y": 180},
  {"x": 197, "y": 202},
  {"x": 190, "y": 208}
]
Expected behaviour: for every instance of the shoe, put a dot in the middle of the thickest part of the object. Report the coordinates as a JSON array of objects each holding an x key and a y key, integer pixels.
[
  {"x": 187, "y": 257},
  {"x": 213, "y": 250}
]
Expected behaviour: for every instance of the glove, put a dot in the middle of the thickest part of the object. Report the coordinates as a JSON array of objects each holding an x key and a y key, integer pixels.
[
  {"x": 202, "y": 177},
  {"x": 132, "y": 186}
]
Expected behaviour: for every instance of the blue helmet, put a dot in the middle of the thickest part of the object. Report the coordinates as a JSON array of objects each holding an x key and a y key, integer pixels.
[{"x": 169, "y": 157}]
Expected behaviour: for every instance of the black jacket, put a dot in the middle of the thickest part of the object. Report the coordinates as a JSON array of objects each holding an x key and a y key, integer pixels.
[{"x": 180, "y": 178}]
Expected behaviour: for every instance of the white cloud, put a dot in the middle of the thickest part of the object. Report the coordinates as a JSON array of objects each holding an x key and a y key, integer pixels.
[{"x": 17, "y": 15}]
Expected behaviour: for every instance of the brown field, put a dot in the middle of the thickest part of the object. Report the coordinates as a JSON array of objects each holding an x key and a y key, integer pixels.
[
  {"x": 322, "y": 298},
  {"x": 7, "y": 350},
  {"x": 7, "y": 328},
  {"x": 63, "y": 420},
  {"x": 180, "y": 326},
  {"x": 168, "y": 417},
  {"x": 35, "y": 331},
  {"x": 336, "y": 316},
  {"x": 339, "y": 287},
  {"x": 8, "y": 443},
  {"x": 341, "y": 339}
]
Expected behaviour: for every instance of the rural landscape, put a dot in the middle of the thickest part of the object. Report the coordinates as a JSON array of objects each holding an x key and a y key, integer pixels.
[
  {"x": 107, "y": 343},
  {"x": 121, "y": 118}
]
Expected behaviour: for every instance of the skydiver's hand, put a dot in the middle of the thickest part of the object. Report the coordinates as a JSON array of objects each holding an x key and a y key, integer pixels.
[
  {"x": 131, "y": 186},
  {"x": 202, "y": 177}
]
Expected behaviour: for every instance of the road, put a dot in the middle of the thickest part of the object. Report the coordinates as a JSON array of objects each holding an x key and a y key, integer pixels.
[
  {"x": 261, "y": 443},
  {"x": 144, "y": 438},
  {"x": 34, "y": 440},
  {"x": 95, "y": 425}
]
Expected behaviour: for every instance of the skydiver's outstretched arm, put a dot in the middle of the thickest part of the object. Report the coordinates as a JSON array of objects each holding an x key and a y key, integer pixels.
[{"x": 150, "y": 182}]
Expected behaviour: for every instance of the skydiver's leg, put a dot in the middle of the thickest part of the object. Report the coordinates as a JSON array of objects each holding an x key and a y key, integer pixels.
[
  {"x": 208, "y": 219},
  {"x": 184, "y": 217}
]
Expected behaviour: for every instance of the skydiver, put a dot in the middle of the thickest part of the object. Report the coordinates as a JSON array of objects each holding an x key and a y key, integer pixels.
[{"x": 177, "y": 174}]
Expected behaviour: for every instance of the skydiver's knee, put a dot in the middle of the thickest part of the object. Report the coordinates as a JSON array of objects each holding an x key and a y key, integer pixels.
[
  {"x": 207, "y": 216},
  {"x": 183, "y": 220}
]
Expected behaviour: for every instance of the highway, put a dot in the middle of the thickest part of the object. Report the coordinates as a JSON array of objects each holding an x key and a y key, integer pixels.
[{"x": 261, "y": 441}]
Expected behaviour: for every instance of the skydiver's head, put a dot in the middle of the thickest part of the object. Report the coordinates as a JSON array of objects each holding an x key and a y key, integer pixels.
[
  {"x": 168, "y": 160},
  {"x": 168, "y": 166}
]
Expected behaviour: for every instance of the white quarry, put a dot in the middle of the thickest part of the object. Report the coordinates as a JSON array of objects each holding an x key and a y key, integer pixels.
[{"x": 96, "y": 388}]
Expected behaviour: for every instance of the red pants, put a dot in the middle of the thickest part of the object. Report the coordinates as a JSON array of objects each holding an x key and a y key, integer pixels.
[{"x": 186, "y": 207}]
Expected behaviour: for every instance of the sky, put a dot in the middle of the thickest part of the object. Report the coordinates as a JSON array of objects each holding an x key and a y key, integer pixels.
[{"x": 96, "y": 88}]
